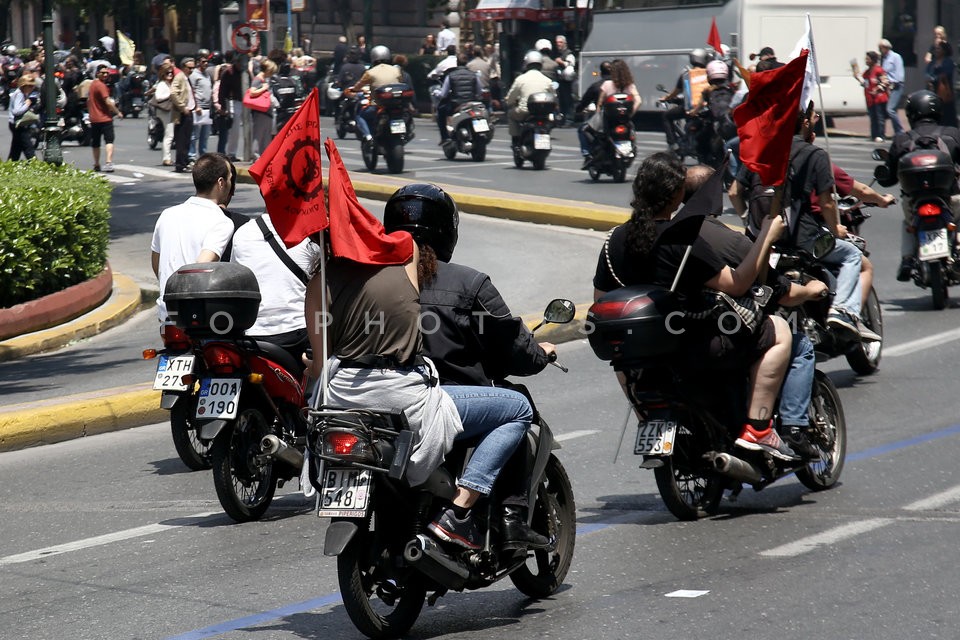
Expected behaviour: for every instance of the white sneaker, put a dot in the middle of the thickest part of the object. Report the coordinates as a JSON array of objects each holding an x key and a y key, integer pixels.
[{"x": 108, "y": 167}]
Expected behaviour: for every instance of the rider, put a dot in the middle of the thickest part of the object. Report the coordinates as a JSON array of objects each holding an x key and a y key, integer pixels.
[
  {"x": 717, "y": 97},
  {"x": 381, "y": 72},
  {"x": 472, "y": 336},
  {"x": 531, "y": 81},
  {"x": 621, "y": 81},
  {"x": 924, "y": 109},
  {"x": 698, "y": 60},
  {"x": 460, "y": 86}
]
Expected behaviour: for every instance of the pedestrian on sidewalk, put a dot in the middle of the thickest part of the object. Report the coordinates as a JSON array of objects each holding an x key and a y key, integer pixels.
[
  {"x": 874, "y": 83},
  {"x": 102, "y": 110},
  {"x": 892, "y": 63},
  {"x": 184, "y": 107},
  {"x": 22, "y": 104}
]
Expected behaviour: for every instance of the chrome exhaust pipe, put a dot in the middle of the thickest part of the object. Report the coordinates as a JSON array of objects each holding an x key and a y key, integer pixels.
[
  {"x": 425, "y": 555},
  {"x": 734, "y": 467},
  {"x": 277, "y": 449}
]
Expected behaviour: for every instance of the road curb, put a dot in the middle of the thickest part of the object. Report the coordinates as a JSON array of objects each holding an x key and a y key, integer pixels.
[{"x": 123, "y": 303}]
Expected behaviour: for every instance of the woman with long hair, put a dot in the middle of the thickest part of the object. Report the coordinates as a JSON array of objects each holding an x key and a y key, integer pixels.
[
  {"x": 262, "y": 121},
  {"x": 875, "y": 91},
  {"x": 159, "y": 96},
  {"x": 621, "y": 81}
]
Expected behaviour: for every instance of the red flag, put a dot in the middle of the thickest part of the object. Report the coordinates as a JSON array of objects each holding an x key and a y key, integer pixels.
[
  {"x": 289, "y": 175},
  {"x": 766, "y": 121},
  {"x": 355, "y": 233},
  {"x": 714, "y": 38}
]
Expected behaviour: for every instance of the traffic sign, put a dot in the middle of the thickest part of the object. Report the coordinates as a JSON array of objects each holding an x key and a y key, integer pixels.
[{"x": 245, "y": 38}]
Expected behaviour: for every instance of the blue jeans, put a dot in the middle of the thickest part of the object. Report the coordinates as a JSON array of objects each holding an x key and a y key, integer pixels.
[
  {"x": 198, "y": 143},
  {"x": 798, "y": 383},
  {"x": 733, "y": 146},
  {"x": 500, "y": 417},
  {"x": 877, "y": 112},
  {"x": 585, "y": 140},
  {"x": 891, "y": 109},
  {"x": 364, "y": 117},
  {"x": 848, "y": 258}
]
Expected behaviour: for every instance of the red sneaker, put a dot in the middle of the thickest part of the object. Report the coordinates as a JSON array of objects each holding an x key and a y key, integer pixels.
[{"x": 767, "y": 441}]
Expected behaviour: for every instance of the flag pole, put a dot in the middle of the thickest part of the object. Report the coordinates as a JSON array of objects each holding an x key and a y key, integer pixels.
[
  {"x": 816, "y": 69},
  {"x": 324, "y": 236}
]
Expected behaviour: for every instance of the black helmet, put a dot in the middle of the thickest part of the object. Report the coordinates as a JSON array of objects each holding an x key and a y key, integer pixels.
[
  {"x": 97, "y": 53},
  {"x": 923, "y": 105},
  {"x": 428, "y": 213},
  {"x": 216, "y": 58}
]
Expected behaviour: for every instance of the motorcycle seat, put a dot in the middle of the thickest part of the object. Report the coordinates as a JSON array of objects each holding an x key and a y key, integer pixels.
[{"x": 281, "y": 356}]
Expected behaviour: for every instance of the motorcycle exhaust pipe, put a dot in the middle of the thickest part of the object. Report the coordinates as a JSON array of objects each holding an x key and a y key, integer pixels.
[
  {"x": 735, "y": 468},
  {"x": 278, "y": 449},
  {"x": 424, "y": 555}
]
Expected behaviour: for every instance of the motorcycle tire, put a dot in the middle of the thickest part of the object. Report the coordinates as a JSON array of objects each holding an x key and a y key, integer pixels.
[
  {"x": 359, "y": 575},
  {"x": 517, "y": 158},
  {"x": 192, "y": 451},
  {"x": 152, "y": 142},
  {"x": 938, "y": 285},
  {"x": 554, "y": 515},
  {"x": 619, "y": 170},
  {"x": 449, "y": 150},
  {"x": 540, "y": 160},
  {"x": 687, "y": 488},
  {"x": 393, "y": 154},
  {"x": 594, "y": 173},
  {"x": 865, "y": 358},
  {"x": 245, "y": 489},
  {"x": 479, "y": 151},
  {"x": 341, "y": 129},
  {"x": 369, "y": 152},
  {"x": 829, "y": 435}
]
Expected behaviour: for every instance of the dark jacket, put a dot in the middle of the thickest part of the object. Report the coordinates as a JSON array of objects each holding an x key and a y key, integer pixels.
[{"x": 903, "y": 142}]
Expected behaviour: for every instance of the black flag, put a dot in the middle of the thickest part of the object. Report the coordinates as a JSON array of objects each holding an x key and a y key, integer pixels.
[{"x": 684, "y": 228}]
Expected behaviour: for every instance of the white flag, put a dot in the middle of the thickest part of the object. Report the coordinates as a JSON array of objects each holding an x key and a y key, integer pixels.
[{"x": 812, "y": 75}]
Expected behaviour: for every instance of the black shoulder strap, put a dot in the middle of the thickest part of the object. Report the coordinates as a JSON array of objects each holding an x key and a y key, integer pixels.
[{"x": 283, "y": 255}]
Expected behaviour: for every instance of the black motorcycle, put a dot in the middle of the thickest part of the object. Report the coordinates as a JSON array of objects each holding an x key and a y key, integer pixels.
[
  {"x": 392, "y": 127},
  {"x": 683, "y": 432},
  {"x": 386, "y": 560},
  {"x": 132, "y": 97},
  {"x": 470, "y": 131},
  {"x": 155, "y": 127},
  {"x": 613, "y": 148},
  {"x": 9, "y": 74},
  {"x": 533, "y": 144},
  {"x": 75, "y": 121}
]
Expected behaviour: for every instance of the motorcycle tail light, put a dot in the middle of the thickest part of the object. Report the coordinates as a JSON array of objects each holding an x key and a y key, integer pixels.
[
  {"x": 617, "y": 309},
  {"x": 347, "y": 444},
  {"x": 928, "y": 210},
  {"x": 620, "y": 129},
  {"x": 951, "y": 226},
  {"x": 222, "y": 358},
  {"x": 174, "y": 338}
]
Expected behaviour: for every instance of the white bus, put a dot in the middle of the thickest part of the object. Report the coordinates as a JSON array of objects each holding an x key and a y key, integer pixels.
[{"x": 656, "y": 36}]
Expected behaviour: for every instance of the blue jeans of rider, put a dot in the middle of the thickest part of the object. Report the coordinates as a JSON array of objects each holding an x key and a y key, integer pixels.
[
  {"x": 500, "y": 417},
  {"x": 798, "y": 383},
  {"x": 364, "y": 119},
  {"x": 848, "y": 258}
]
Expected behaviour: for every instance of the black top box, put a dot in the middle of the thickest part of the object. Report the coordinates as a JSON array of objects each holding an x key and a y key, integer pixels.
[
  {"x": 928, "y": 170},
  {"x": 213, "y": 299}
]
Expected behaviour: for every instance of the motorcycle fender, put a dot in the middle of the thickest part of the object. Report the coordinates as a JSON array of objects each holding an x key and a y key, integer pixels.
[
  {"x": 168, "y": 400},
  {"x": 209, "y": 430},
  {"x": 339, "y": 535}
]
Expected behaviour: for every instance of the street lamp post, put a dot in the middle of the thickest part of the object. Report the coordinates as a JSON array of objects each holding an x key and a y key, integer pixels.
[{"x": 51, "y": 151}]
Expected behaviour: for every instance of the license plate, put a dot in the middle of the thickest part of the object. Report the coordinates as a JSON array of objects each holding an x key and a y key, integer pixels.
[
  {"x": 138, "y": 102},
  {"x": 934, "y": 244},
  {"x": 625, "y": 148},
  {"x": 541, "y": 141},
  {"x": 218, "y": 398},
  {"x": 655, "y": 437},
  {"x": 170, "y": 372},
  {"x": 481, "y": 126},
  {"x": 345, "y": 493},
  {"x": 398, "y": 126}
]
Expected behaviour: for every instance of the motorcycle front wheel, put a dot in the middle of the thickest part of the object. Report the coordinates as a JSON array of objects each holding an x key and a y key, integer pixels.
[
  {"x": 244, "y": 486},
  {"x": 938, "y": 285},
  {"x": 192, "y": 451},
  {"x": 554, "y": 516},
  {"x": 865, "y": 358},
  {"x": 829, "y": 434},
  {"x": 341, "y": 128},
  {"x": 369, "y": 152},
  {"x": 688, "y": 490},
  {"x": 379, "y": 605}
]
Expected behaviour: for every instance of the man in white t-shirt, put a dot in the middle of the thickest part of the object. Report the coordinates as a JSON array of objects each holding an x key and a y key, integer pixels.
[
  {"x": 198, "y": 230},
  {"x": 280, "y": 319}
]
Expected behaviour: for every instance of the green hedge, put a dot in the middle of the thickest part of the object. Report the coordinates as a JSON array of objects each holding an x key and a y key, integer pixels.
[{"x": 54, "y": 228}]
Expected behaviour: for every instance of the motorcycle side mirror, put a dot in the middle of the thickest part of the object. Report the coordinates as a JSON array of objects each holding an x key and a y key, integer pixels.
[
  {"x": 559, "y": 311},
  {"x": 823, "y": 245},
  {"x": 662, "y": 88},
  {"x": 881, "y": 173},
  {"x": 880, "y": 155}
]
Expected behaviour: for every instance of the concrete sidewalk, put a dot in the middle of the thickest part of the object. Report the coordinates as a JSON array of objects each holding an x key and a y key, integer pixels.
[{"x": 48, "y": 421}]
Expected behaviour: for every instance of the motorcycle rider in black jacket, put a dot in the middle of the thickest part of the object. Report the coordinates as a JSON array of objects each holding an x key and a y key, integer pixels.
[
  {"x": 923, "y": 111},
  {"x": 460, "y": 85},
  {"x": 468, "y": 330}
]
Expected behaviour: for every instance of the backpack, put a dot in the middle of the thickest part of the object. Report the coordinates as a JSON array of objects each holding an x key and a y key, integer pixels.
[
  {"x": 796, "y": 197},
  {"x": 927, "y": 141},
  {"x": 285, "y": 91},
  {"x": 718, "y": 102}
]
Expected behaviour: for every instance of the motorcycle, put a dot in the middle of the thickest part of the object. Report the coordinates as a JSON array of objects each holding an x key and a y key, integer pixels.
[
  {"x": 75, "y": 121},
  {"x": 533, "y": 143},
  {"x": 926, "y": 177},
  {"x": 131, "y": 100},
  {"x": 613, "y": 149},
  {"x": 9, "y": 73},
  {"x": 176, "y": 378},
  {"x": 696, "y": 136},
  {"x": 155, "y": 127},
  {"x": 386, "y": 561},
  {"x": 683, "y": 415},
  {"x": 344, "y": 111},
  {"x": 470, "y": 131},
  {"x": 249, "y": 393},
  {"x": 392, "y": 127},
  {"x": 811, "y": 317}
]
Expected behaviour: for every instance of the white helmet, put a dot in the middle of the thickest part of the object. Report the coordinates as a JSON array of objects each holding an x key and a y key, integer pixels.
[
  {"x": 531, "y": 59},
  {"x": 543, "y": 45},
  {"x": 379, "y": 54},
  {"x": 717, "y": 70}
]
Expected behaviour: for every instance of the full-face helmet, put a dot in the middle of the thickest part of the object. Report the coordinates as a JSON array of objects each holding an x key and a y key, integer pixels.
[{"x": 428, "y": 213}]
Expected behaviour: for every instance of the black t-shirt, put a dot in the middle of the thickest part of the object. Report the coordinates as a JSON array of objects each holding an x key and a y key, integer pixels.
[{"x": 659, "y": 268}]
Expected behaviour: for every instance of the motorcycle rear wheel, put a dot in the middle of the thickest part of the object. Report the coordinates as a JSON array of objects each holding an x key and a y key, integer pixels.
[
  {"x": 449, "y": 150},
  {"x": 369, "y": 152},
  {"x": 479, "y": 151},
  {"x": 540, "y": 160},
  {"x": 245, "y": 489},
  {"x": 865, "y": 358},
  {"x": 192, "y": 451},
  {"x": 688, "y": 490},
  {"x": 594, "y": 173},
  {"x": 554, "y": 515},
  {"x": 517, "y": 158},
  {"x": 938, "y": 285},
  {"x": 358, "y": 572},
  {"x": 830, "y": 435},
  {"x": 393, "y": 154},
  {"x": 619, "y": 170},
  {"x": 341, "y": 129}
]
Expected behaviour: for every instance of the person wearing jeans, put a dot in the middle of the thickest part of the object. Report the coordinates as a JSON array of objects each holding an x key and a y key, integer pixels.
[{"x": 892, "y": 64}]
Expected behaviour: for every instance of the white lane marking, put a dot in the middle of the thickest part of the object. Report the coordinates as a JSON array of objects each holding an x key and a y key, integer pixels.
[
  {"x": 98, "y": 541},
  {"x": 461, "y": 177},
  {"x": 686, "y": 593},
  {"x": 935, "y": 501},
  {"x": 921, "y": 344},
  {"x": 576, "y": 434},
  {"x": 830, "y": 536},
  {"x": 166, "y": 172}
]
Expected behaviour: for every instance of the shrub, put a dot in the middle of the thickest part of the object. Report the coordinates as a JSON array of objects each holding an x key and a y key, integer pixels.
[{"x": 54, "y": 228}]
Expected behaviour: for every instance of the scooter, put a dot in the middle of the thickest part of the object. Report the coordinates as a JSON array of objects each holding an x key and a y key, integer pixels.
[
  {"x": 131, "y": 100},
  {"x": 533, "y": 144},
  {"x": 469, "y": 131},
  {"x": 155, "y": 127},
  {"x": 392, "y": 127},
  {"x": 614, "y": 149}
]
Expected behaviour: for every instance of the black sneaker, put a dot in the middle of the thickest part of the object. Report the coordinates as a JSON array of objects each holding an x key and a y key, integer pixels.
[
  {"x": 797, "y": 440},
  {"x": 843, "y": 323},
  {"x": 905, "y": 271},
  {"x": 448, "y": 528},
  {"x": 587, "y": 161}
]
